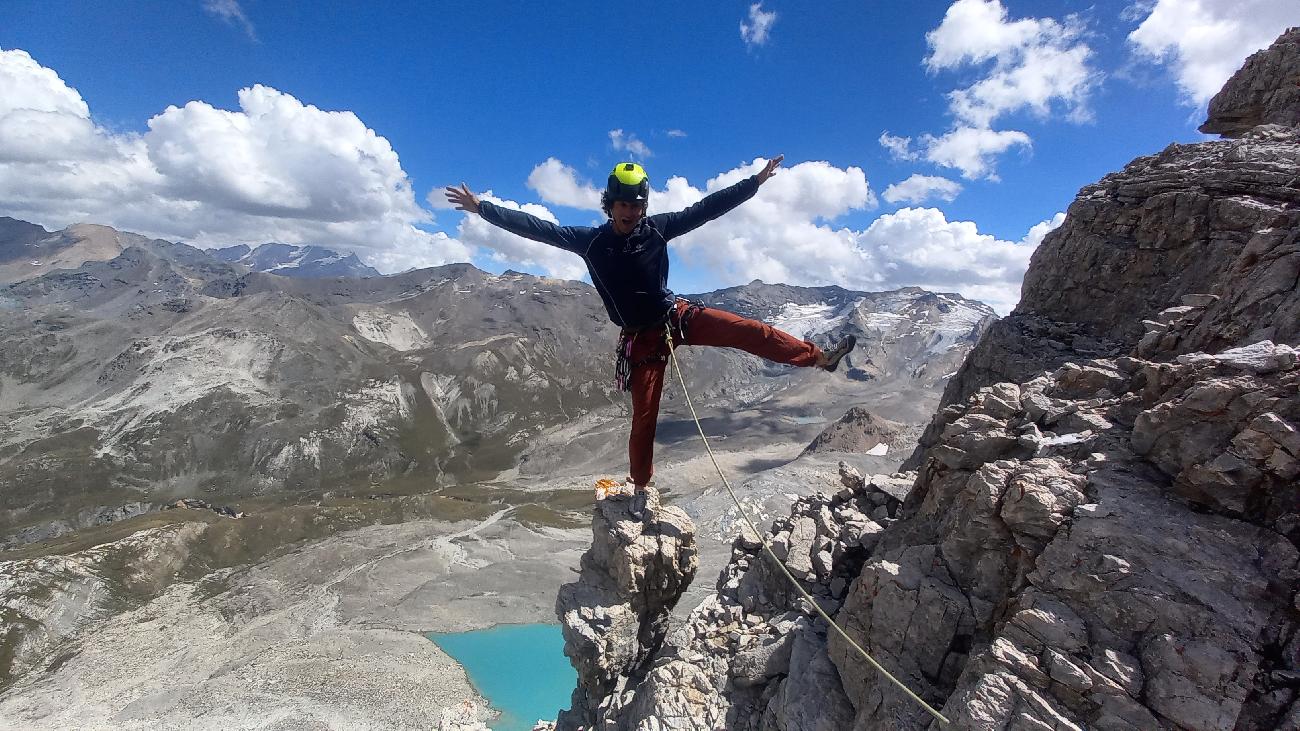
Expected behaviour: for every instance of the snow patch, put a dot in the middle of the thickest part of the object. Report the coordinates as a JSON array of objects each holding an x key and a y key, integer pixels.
[
  {"x": 885, "y": 320},
  {"x": 291, "y": 264},
  {"x": 955, "y": 326},
  {"x": 879, "y": 450},
  {"x": 950, "y": 323},
  {"x": 804, "y": 321}
]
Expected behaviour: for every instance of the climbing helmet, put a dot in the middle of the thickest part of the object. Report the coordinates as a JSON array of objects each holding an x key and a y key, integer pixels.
[{"x": 628, "y": 182}]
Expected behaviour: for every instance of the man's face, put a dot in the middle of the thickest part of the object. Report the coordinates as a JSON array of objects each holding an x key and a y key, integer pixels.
[{"x": 625, "y": 216}]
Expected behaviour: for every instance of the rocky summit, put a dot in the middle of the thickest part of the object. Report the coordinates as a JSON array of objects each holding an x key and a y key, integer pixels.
[{"x": 1101, "y": 528}]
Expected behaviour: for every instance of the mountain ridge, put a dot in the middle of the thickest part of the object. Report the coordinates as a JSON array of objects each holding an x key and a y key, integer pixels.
[
  {"x": 288, "y": 260},
  {"x": 165, "y": 372}
]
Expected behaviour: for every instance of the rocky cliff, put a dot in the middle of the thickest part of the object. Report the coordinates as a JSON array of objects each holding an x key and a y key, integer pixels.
[
  {"x": 1192, "y": 219},
  {"x": 1102, "y": 529}
]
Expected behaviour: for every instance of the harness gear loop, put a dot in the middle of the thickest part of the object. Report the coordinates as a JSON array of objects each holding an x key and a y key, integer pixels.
[
  {"x": 672, "y": 353},
  {"x": 623, "y": 363}
]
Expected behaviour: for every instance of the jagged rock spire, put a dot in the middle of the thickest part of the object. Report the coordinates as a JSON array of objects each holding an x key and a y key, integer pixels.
[{"x": 615, "y": 616}]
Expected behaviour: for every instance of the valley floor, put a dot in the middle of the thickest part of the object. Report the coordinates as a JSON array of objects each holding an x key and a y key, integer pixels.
[{"x": 330, "y": 634}]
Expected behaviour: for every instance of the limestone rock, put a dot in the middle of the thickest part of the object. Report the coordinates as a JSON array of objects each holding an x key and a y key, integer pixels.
[
  {"x": 1260, "y": 357},
  {"x": 1066, "y": 544},
  {"x": 1100, "y": 528},
  {"x": 1038, "y": 501},
  {"x": 615, "y": 616},
  {"x": 1227, "y": 438},
  {"x": 1266, "y": 90}
]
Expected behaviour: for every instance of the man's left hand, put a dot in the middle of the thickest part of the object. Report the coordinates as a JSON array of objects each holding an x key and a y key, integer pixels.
[{"x": 770, "y": 169}]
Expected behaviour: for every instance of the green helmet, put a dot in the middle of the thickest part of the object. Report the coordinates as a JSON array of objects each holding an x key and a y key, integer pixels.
[{"x": 627, "y": 182}]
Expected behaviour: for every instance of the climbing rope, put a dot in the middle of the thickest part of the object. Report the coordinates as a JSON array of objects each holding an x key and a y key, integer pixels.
[{"x": 672, "y": 352}]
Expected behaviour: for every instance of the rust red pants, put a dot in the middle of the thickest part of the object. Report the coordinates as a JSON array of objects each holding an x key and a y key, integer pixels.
[{"x": 706, "y": 326}]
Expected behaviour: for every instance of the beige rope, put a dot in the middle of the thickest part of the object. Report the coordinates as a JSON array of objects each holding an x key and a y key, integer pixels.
[{"x": 781, "y": 564}]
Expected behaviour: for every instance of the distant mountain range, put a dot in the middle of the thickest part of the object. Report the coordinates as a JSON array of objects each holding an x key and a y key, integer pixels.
[
  {"x": 296, "y": 261},
  {"x": 138, "y": 370},
  {"x": 28, "y": 250}
]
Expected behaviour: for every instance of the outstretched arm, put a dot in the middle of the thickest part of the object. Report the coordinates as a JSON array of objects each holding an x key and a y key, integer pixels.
[
  {"x": 516, "y": 222},
  {"x": 715, "y": 204}
]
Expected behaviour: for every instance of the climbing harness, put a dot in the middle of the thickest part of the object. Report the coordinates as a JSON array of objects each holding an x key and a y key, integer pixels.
[
  {"x": 623, "y": 363},
  {"x": 672, "y": 352}
]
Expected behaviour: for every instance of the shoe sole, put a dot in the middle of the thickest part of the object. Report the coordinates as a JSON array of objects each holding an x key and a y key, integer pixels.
[{"x": 845, "y": 347}]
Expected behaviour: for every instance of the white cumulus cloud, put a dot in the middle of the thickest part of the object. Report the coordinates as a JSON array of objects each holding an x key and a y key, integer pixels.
[
  {"x": 1205, "y": 41},
  {"x": 755, "y": 30},
  {"x": 273, "y": 170},
  {"x": 920, "y": 247},
  {"x": 919, "y": 188},
  {"x": 1037, "y": 65},
  {"x": 1041, "y": 229},
  {"x": 1045, "y": 74},
  {"x": 972, "y": 150},
  {"x": 899, "y": 148},
  {"x": 628, "y": 142},
  {"x": 783, "y": 234},
  {"x": 1034, "y": 62},
  {"x": 42, "y": 119},
  {"x": 788, "y": 233},
  {"x": 560, "y": 185}
]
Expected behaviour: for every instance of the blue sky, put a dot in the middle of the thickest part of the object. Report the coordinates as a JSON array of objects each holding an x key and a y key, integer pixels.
[{"x": 132, "y": 114}]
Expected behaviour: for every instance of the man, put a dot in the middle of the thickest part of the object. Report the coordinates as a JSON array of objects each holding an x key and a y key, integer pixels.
[{"x": 628, "y": 261}]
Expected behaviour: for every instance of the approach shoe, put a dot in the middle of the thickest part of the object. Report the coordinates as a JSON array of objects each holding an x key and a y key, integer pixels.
[
  {"x": 644, "y": 501},
  {"x": 640, "y": 505},
  {"x": 836, "y": 354}
]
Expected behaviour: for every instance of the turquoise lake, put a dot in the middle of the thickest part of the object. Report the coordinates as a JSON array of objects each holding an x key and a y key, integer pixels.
[{"x": 520, "y": 668}]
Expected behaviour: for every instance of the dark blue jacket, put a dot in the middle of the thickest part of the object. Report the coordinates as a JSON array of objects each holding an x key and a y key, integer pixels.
[{"x": 630, "y": 272}]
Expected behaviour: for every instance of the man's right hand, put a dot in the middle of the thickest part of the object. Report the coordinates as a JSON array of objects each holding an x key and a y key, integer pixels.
[
  {"x": 769, "y": 169},
  {"x": 462, "y": 198}
]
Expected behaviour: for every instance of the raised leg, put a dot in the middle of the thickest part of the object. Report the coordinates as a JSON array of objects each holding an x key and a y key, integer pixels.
[{"x": 720, "y": 328}]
